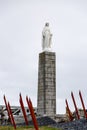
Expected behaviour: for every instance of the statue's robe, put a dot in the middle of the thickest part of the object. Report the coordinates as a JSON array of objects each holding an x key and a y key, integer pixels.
[{"x": 46, "y": 38}]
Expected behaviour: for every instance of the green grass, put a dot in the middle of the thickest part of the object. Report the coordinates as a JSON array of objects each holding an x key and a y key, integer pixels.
[
  {"x": 48, "y": 128},
  {"x": 27, "y": 128}
]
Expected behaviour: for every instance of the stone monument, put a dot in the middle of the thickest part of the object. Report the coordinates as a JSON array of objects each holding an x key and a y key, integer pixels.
[{"x": 46, "y": 103}]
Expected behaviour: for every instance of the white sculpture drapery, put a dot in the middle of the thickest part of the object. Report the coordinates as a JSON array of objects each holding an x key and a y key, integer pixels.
[{"x": 46, "y": 38}]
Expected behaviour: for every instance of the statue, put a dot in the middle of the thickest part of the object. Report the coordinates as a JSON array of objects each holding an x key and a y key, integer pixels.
[{"x": 46, "y": 38}]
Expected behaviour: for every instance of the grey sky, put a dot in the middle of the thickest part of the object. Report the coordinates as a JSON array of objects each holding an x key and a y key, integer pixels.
[{"x": 21, "y": 24}]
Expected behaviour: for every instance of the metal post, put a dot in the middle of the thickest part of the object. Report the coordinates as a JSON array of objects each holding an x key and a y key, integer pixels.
[
  {"x": 11, "y": 116},
  {"x": 70, "y": 115},
  {"x": 78, "y": 117},
  {"x": 7, "y": 108},
  {"x": 30, "y": 106},
  {"x": 85, "y": 114},
  {"x": 23, "y": 110}
]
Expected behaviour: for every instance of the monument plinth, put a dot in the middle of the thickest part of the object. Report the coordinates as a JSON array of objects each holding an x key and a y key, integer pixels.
[{"x": 46, "y": 103}]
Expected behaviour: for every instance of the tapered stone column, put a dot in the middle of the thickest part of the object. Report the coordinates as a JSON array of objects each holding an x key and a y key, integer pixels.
[{"x": 46, "y": 103}]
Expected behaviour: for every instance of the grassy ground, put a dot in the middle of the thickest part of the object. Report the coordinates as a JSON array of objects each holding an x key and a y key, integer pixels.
[{"x": 26, "y": 128}]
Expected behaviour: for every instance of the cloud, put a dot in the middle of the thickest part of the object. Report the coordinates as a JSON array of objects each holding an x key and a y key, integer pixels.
[{"x": 21, "y": 24}]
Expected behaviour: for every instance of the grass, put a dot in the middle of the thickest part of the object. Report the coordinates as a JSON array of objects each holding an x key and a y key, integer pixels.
[{"x": 27, "y": 128}]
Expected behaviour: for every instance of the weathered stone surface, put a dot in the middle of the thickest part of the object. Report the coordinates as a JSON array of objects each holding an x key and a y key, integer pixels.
[
  {"x": 47, "y": 84},
  {"x": 74, "y": 125}
]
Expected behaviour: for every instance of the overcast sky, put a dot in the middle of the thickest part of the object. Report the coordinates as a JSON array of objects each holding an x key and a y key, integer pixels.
[{"x": 21, "y": 24}]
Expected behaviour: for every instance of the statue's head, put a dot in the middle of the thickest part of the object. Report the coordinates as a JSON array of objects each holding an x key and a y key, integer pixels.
[{"x": 47, "y": 24}]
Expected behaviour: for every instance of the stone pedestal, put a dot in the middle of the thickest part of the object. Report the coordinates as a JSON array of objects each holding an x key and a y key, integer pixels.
[{"x": 46, "y": 103}]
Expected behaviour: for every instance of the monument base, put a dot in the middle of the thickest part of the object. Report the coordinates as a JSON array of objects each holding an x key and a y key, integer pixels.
[{"x": 46, "y": 104}]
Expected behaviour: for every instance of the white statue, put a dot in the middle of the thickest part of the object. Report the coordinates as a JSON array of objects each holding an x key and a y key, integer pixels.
[{"x": 46, "y": 38}]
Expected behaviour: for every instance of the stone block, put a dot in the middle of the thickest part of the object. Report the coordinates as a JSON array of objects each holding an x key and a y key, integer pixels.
[{"x": 47, "y": 83}]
